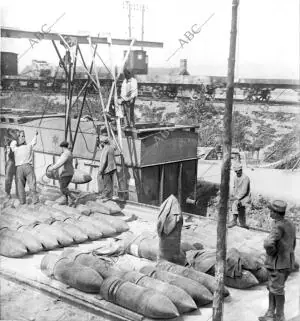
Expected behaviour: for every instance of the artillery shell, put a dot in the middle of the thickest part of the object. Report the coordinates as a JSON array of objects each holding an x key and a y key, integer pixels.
[
  {"x": 11, "y": 247},
  {"x": 104, "y": 268},
  {"x": 71, "y": 273},
  {"x": 197, "y": 291},
  {"x": 183, "y": 302},
  {"x": 48, "y": 241},
  {"x": 31, "y": 243},
  {"x": 105, "y": 229},
  {"x": 200, "y": 277},
  {"x": 113, "y": 221},
  {"x": 91, "y": 231},
  {"x": 147, "y": 302},
  {"x": 76, "y": 233}
]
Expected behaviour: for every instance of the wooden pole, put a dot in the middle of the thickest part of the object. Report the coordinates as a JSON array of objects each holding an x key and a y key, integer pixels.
[{"x": 225, "y": 175}]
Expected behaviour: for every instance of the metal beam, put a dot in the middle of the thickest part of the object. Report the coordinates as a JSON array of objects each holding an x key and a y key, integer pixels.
[{"x": 23, "y": 34}]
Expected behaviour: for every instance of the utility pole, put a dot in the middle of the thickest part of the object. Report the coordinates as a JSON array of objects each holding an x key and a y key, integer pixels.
[
  {"x": 225, "y": 174},
  {"x": 129, "y": 20},
  {"x": 143, "y": 15},
  {"x": 136, "y": 7}
]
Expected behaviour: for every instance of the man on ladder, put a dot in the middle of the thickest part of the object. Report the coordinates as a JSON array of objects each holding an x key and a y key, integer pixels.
[{"x": 129, "y": 92}]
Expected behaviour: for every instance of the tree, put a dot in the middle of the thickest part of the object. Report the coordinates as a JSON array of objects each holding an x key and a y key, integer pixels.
[{"x": 241, "y": 130}]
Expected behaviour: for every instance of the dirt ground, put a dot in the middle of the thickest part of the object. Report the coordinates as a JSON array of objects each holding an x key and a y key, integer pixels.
[{"x": 16, "y": 304}]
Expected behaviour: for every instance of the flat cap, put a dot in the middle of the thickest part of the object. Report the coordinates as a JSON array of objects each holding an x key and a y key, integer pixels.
[
  {"x": 237, "y": 166},
  {"x": 104, "y": 139},
  {"x": 64, "y": 144},
  {"x": 278, "y": 206}
]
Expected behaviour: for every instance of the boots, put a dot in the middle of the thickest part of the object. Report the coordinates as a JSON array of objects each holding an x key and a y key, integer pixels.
[
  {"x": 280, "y": 299},
  {"x": 63, "y": 200},
  {"x": 242, "y": 218},
  {"x": 233, "y": 222},
  {"x": 270, "y": 314},
  {"x": 72, "y": 200},
  {"x": 35, "y": 198}
]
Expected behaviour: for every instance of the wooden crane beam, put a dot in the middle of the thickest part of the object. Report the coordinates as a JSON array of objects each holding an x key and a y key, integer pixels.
[{"x": 24, "y": 34}]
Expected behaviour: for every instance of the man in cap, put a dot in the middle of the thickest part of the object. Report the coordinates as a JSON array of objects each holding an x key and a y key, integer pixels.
[
  {"x": 65, "y": 170},
  {"x": 24, "y": 167},
  {"x": 241, "y": 196},
  {"x": 129, "y": 92},
  {"x": 280, "y": 259},
  {"x": 107, "y": 169}
]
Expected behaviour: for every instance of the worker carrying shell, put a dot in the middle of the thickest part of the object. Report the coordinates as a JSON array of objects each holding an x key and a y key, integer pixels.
[
  {"x": 24, "y": 167},
  {"x": 280, "y": 259},
  {"x": 10, "y": 168},
  {"x": 129, "y": 92},
  {"x": 241, "y": 197},
  {"x": 107, "y": 169},
  {"x": 65, "y": 170}
]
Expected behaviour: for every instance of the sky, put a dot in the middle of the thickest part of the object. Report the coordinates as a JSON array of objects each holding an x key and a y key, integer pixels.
[{"x": 267, "y": 40}]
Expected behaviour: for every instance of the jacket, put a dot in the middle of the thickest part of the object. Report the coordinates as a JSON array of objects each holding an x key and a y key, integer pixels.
[
  {"x": 107, "y": 160},
  {"x": 280, "y": 245},
  {"x": 241, "y": 189},
  {"x": 65, "y": 164}
]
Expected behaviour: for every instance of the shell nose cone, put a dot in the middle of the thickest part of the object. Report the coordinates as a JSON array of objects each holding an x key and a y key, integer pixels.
[
  {"x": 164, "y": 308},
  {"x": 186, "y": 304}
]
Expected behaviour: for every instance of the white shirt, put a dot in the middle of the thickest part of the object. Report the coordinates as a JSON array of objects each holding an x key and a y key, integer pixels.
[
  {"x": 129, "y": 89},
  {"x": 24, "y": 153}
]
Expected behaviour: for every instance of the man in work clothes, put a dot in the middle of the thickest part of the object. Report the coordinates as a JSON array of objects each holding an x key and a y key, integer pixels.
[
  {"x": 10, "y": 168},
  {"x": 107, "y": 169},
  {"x": 280, "y": 259},
  {"x": 241, "y": 196},
  {"x": 24, "y": 167},
  {"x": 129, "y": 92},
  {"x": 66, "y": 170}
]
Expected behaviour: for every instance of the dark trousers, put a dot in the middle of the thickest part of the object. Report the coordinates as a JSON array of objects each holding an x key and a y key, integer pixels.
[
  {"x": 105, "y": 184},
  {"x": 10, "y": 174},
  {"x": 129, "y": 113},
  {"x": 63, "y": 185},
  {"x": 25, "y": 173}
]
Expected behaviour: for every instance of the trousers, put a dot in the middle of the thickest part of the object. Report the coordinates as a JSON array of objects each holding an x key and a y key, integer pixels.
[
  {"x": 63, "y": 184},
  {"x": 10, "y": 174},
  {"x": 276, "y": 280},
  {"x": 129, "y": 113},
  {"x": 105, "y": 184},
  {"x": 25, "y": 173}
]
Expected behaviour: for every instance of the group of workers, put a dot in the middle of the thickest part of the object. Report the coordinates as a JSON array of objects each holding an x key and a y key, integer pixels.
[
  {"x": 19, "y": 160},
  {"x": 279, "y": 245}
]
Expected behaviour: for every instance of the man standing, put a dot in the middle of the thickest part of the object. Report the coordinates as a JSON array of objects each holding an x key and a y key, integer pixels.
[
  {"x": 24, "y": 167},
  {"x": 280, "y": 259},
  {"x": 241, "y": 197},
  {"x": 129, "y": 92},
  {"x": 107, "y": 169},
  {"x": 65, "y": 170},
  {"x": 10, "y": 168}
]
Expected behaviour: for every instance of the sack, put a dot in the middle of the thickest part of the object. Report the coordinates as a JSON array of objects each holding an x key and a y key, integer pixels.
[
  {"x": 247, "y": 280},
  {"x": 201, "y": 260}
]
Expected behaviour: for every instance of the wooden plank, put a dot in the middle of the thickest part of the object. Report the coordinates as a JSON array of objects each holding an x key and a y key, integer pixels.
[
  {"x": 25, "y": 34},
  {"x": 93, "y": 304}
]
